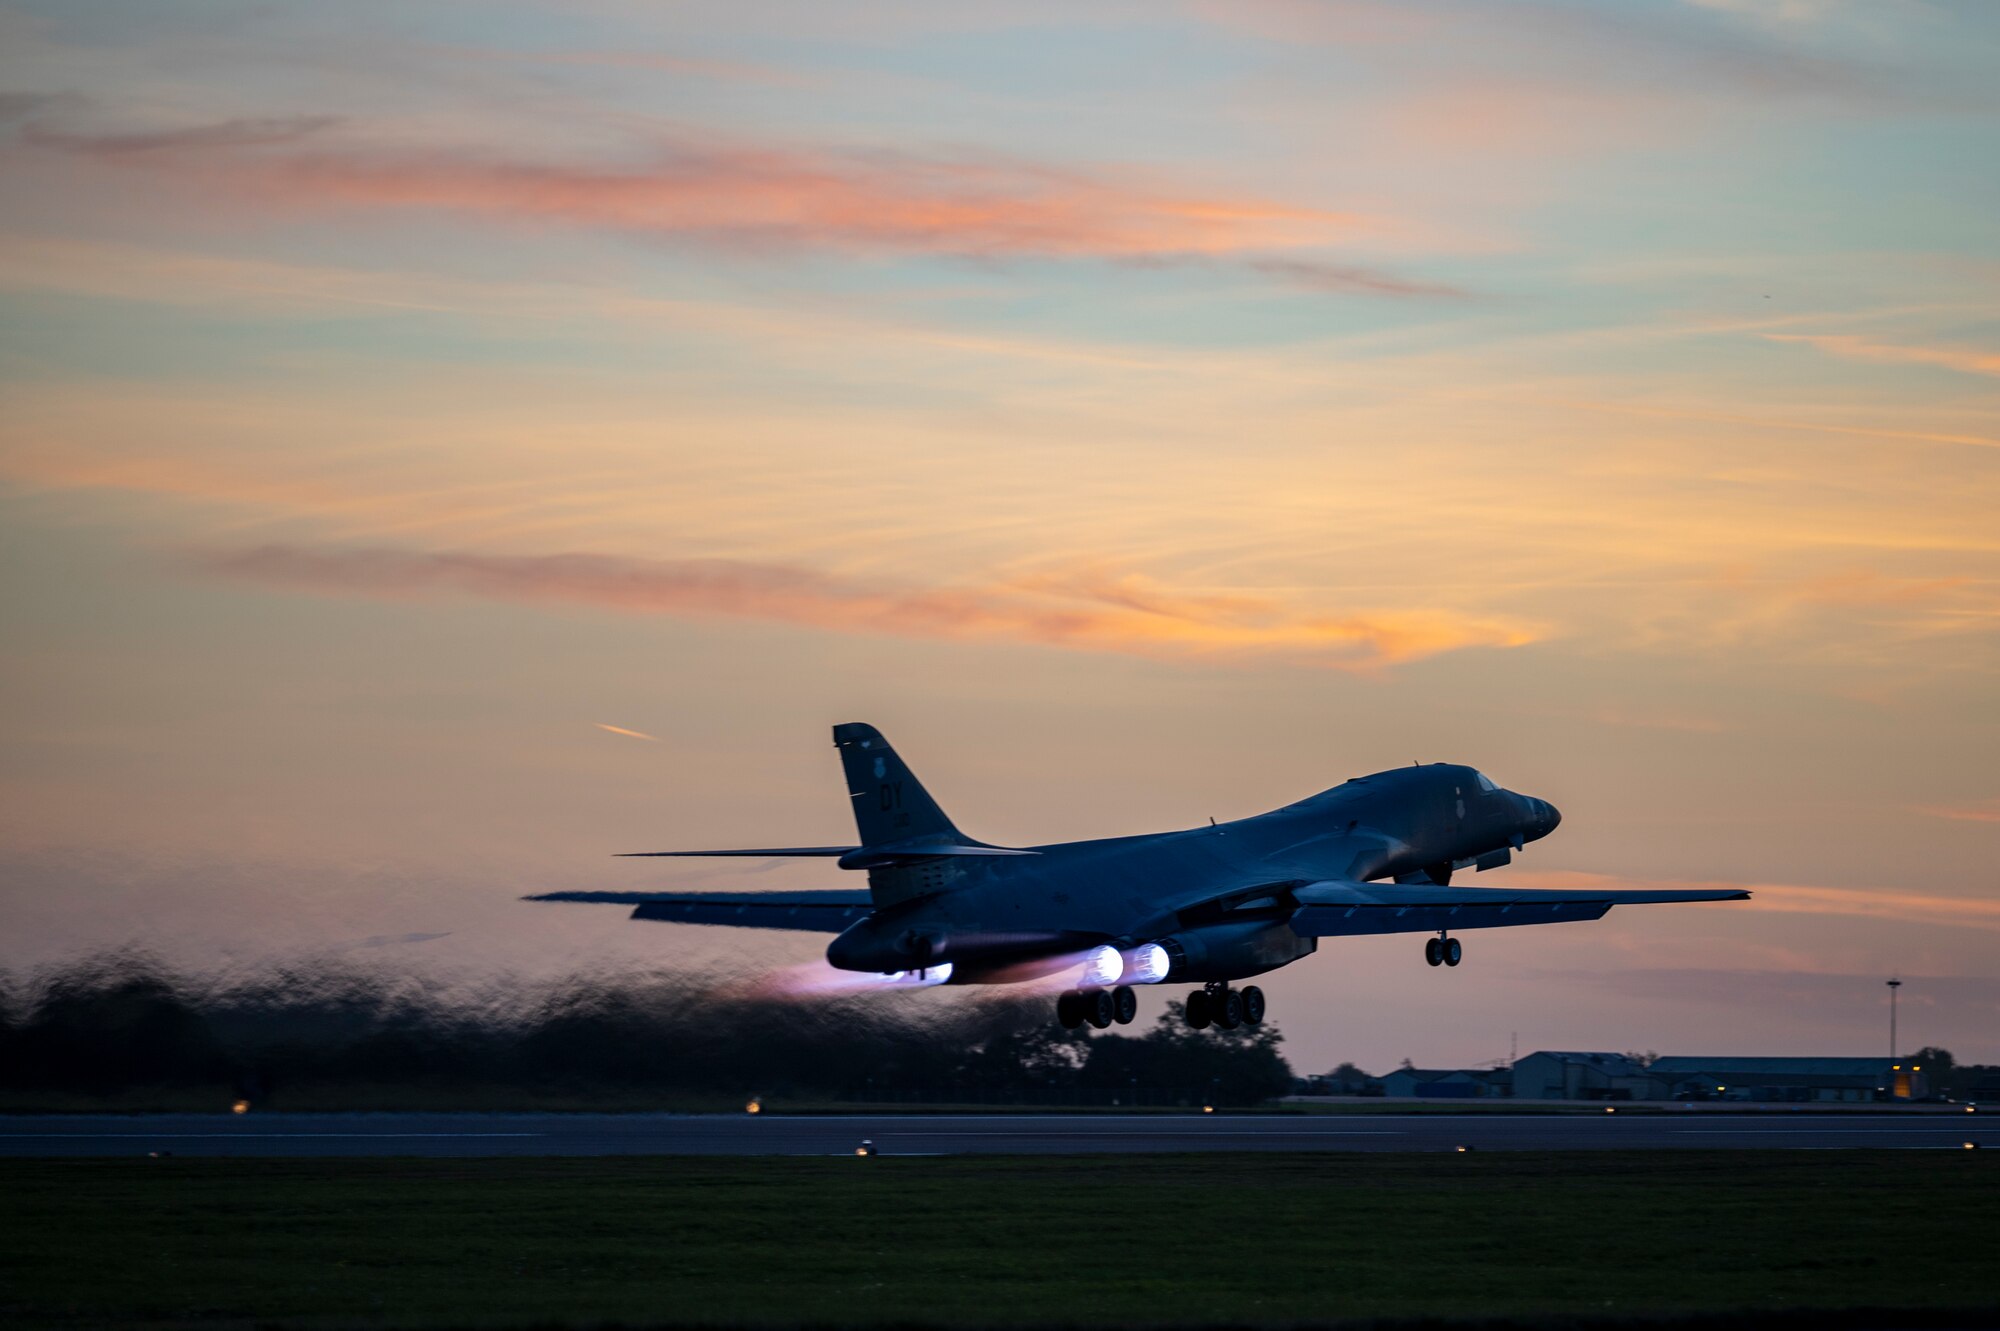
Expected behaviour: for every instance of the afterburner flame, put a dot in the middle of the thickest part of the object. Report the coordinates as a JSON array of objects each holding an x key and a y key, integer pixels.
[
  {"x": 1101, "y": 968},
  {"x": 1147, "y": 963}
]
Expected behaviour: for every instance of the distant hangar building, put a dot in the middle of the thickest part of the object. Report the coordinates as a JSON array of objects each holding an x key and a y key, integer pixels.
[
  {"x": 1551, "y": 1074},
  {"x": 1817, "y": 1080},
  {"x": 1445, "y": 1083},
  {"x": 1567, "y": 1075}
]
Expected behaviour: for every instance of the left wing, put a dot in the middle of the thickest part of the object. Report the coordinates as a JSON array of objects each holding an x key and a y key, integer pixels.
[
  {"x": 763, "y": 853},
  {"x": 1332, "y": 908},
  {"x": 826, "y": 912}
]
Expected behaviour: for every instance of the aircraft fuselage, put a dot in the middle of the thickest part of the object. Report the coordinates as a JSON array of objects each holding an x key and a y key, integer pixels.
[{"x": 1003, "y": 919}]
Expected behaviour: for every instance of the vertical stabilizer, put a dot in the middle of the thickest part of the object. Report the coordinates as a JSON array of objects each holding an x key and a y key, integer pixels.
[{"x": 890, "y": 804}]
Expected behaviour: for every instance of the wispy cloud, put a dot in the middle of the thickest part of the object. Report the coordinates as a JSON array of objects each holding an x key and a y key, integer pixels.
[
  {"x": 1966, "y": 360},
  {"x": 646, "y": 61},
  {"x": 1347, "y": 279},
  {"x": 751, "y": 196},
  {"x": 1084, "y": 609},
  {"x": 1610, "y": 49},
  {"x": 261, "y": 132},
  {"x": 621, "y": 730}
]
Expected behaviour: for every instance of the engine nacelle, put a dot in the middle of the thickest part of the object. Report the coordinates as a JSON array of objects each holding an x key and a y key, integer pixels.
[{"x": 1232, "y": 951}]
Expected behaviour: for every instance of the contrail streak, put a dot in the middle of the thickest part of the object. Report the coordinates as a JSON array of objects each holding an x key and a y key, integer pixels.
[{"x": 621, "y": 730}]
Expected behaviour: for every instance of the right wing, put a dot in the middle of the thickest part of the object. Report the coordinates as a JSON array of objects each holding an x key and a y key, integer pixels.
[
  {"x": 826, "y": 912},
  {"x": 1334, "y": 908}
]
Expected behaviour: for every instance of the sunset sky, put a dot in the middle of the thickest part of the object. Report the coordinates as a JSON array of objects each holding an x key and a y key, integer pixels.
[{"x": 443, "y": 445}]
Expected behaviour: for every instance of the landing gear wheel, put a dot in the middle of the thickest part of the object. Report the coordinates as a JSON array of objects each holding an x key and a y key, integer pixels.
[
  {"x": 1100, "y": 1008},
  {"x": 1452, "y": 951},
  {"x": 1253, "y": 1006},
  {"x": 1434, "y": 951},
  {"x": 1197, "y": 1010},
  {"x": 1125, "y": 1004},
  {"x": 1227, "y": 1009},
  {"x": 1069, "y": 1009}
]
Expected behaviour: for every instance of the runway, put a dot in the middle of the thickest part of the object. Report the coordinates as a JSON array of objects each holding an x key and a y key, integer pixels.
[{"x": 543, "y": 1134}]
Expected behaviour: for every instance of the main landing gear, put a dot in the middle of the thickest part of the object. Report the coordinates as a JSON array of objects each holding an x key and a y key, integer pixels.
[
  {"x": 1442, "y": 951},
  {"x": 1099, "y": 1007},
  {"x": 1217, "y": 1004},
  {"x": 1211, "y": 1005}
]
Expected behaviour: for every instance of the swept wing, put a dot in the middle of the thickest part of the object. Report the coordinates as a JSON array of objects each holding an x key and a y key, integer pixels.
[
  {"x": 1330, "y": 909},
  {"x": 827, "y": 911}
]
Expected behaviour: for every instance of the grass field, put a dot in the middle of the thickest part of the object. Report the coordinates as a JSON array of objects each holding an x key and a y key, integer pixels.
[{"x": 1784, "y": 1239}]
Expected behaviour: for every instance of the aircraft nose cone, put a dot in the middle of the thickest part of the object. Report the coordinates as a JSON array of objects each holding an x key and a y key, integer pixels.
[{"x": 1551, "y": 816}]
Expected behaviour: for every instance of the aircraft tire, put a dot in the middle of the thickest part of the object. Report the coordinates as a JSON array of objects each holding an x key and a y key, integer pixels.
[
  {"x": 1253, "y": 1005},
  {"x": 1126, "y": 1004},
  {"x": 1197, "y": 1010},
  {"x": 1227, "y": 1010},
  {"x": 1069, "y": 1009},
  {"x": 1453, "y": 950},
  {"x": 1100, "y": 1008},
  {"x": 1433, "y": 951}
]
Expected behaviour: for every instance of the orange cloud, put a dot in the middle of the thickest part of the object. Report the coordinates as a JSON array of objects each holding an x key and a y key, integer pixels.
[
  {"x": 758, "y": 197},
  {"x": 1084, "y": 610},
  {"x": 751, "y": 196},
  {"x": 1848, "y": 347}
]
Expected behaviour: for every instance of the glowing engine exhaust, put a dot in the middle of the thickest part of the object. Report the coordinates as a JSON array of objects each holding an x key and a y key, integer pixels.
[
  {"x": 1101, "y": 968},
  {"x": 1147, "y": 964},
  {"x": 1105, "y": 966}
]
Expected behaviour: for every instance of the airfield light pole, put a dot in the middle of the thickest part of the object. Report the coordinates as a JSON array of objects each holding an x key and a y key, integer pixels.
[{"x": 1894, "y": 985}]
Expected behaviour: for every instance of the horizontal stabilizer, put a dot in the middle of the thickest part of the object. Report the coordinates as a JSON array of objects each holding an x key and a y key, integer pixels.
[
  {"x": 851, "y": 857},
  {"x": 1332, "y": 909},
  {"x": 766, "y": 853},
  {"x": 915, "y": 852},
  {"x": 827, "y": 911}
]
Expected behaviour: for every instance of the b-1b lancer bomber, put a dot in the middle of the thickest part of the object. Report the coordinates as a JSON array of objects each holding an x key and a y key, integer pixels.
[{"x": 1207, "y": 906}]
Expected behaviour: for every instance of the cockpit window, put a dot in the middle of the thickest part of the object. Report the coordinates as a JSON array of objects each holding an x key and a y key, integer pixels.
[{"x": 1484, "y": 783}]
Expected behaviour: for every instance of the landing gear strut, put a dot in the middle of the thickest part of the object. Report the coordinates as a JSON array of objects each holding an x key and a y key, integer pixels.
[
  {"x": 1442, "y": 951},
  {"x": 1099, "y": 1007},
  {"x": 1218, "y": 1005}
]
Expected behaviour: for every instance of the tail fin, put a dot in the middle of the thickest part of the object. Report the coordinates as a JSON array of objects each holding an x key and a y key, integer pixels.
[{"x": 890, "y": 804}]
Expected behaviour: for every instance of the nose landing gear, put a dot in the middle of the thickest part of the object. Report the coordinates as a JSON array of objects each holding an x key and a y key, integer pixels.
[{"x": 1442, "y": 951}]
